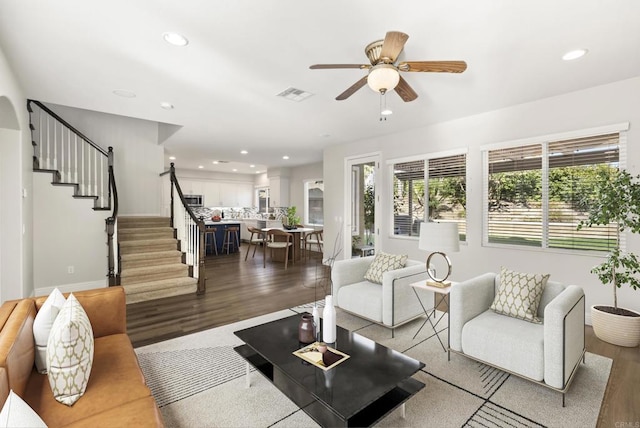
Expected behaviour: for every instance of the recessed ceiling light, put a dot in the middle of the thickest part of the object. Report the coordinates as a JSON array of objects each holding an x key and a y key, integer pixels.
[
  {"x": 575, "y": 54},
  {"x": 257, "y": 172},
  {"x": 175, "y": 39},
  {"x": 172, "y": 158},
  {"x": 252, "y": 166},
  {"x": 200, "y": 166},
  {"x": 285, "y": 157},
  {"x": 124, "y": 93},
  {"x": 215, "y": 162},
  {"x": 234, "y": 170},
  {"x": 165, "y": 105},
  {"x": 243, "y": 152}
]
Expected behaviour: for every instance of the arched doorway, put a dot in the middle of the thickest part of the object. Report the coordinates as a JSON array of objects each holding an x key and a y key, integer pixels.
[{"x": 10, "y": 203}]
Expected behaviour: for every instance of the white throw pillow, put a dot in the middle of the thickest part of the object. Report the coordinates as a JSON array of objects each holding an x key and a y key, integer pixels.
[
  {"x": 70, "y": 352},
  {"x": 42, "y": 327},
  {"x": 519, "y": 295},
  {"x": 382, "y": 263},
  {"x": 17, "y": 413}
]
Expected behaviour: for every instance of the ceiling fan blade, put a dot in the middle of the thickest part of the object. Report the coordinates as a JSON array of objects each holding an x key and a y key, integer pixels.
[
  {"x": 328, "y": 66},
  {"x": 405, "y": 91},
  {"x": 393, "y": 44},
  {"x": 433, "y": 66},
  {"x": 346, "y": 94}
]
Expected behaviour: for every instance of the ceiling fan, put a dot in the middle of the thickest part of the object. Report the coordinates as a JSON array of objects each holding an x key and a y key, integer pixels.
[{"x": 384, "y": 74}]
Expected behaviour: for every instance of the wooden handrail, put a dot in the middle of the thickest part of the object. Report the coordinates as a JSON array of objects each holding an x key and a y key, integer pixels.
[
  {"x": 199, "y": 223},
  {"x": 113, "y": 255},
  {"x": 65, "y": 123}
]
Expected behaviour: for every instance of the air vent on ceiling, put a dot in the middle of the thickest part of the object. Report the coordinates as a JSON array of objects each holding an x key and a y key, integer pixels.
[{"x": 294, "y": 94}]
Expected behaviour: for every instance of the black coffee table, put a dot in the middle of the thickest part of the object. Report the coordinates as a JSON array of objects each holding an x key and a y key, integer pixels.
[{"x": 357, "y": 392}]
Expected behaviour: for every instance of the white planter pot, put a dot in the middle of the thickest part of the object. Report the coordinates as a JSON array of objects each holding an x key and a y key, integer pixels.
[{"x": 616, "y": 329}]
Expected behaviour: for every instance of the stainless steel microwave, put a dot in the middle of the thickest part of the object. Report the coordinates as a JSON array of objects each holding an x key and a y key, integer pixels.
[{"x": 193, "y": 200}]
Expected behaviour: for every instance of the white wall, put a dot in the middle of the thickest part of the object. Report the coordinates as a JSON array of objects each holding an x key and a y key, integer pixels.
[
  {"x": 16, "y": 280},
  {"x": 67, "y": 232},
  {"x": 138, "y": 158},
  {"x": 603, "y": 105}
]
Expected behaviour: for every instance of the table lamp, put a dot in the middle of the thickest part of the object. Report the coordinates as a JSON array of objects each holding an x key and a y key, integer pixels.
[{"x": 439, "y": 238}]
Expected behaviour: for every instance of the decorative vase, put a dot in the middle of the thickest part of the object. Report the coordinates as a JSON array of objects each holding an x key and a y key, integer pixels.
[
  {"x": 329, "y": 321},
  {"x": 617, "y": 329},
  {"x": 306, "y": 329}
]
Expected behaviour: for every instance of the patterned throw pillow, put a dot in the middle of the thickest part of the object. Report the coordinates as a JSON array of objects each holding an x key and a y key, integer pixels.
[
  {"x": 42, "y": 327},
  {"x": 383, "y": 263},
  {"x": 70, "y": 352},
  {"x": 519, "y": 295},
  {"x": 17, "y": 413}
]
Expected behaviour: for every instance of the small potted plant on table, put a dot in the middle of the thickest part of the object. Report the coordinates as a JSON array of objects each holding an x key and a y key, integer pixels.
[
  {"x": 618, "y": 202},
  {"x": 292, "y": 220}
]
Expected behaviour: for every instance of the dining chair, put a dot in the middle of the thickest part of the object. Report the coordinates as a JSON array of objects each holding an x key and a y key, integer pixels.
[
  {"x": 256, "y": 242},
  {"x": 313, "y": 238},
  {"x": 277, "y": 239}
]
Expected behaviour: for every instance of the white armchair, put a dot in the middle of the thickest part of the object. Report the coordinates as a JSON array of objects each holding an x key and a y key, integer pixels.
[
  {"x": 547, "y": 353},
  {"x": 390, "y": 304}
]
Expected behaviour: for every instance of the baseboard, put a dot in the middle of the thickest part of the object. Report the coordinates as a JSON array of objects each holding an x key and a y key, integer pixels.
[
  {"x": 587, "y": 318},
  {"x": 70, "y": 288}
]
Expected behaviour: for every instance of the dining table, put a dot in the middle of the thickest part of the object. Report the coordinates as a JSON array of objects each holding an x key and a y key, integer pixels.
[{"x": 298, "y": 235}]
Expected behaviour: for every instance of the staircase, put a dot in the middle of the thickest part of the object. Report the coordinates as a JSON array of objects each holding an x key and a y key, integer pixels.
[{"x": 150, "y": 263}]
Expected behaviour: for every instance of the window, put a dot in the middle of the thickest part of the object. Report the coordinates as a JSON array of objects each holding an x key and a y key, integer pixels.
[
  {"x": 314, "y": 202},
  {"x": 537, "y": 194},
  {"x": 429, "y": 188},
  {"x": 263, "y": 199}
]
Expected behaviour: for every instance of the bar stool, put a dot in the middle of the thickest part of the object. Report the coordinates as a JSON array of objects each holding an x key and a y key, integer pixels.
[
  {"x": 259, "y": 239},
  {"x": 230, "y": 241},
  {"x": 212, "y": 242}
]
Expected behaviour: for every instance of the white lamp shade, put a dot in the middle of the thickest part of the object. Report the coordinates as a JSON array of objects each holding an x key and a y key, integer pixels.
[
  {"x": 442, "y": 237},
  {"x": 383, "y": 77}
]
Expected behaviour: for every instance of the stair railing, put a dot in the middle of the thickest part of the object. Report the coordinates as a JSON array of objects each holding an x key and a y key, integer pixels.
[
  {"x": 112, "y": 229},
  {"x": 190, "y": 231},
  {"x": 75, "y": 160}
]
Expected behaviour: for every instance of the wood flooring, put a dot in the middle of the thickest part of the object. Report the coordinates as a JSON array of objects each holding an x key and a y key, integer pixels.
[{"x": 239, "y": 289}]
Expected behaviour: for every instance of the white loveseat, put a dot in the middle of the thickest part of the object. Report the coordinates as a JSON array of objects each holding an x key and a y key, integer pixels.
[
  {"x": 548, "y": 353},
  {"x": 390, "y": 304}
]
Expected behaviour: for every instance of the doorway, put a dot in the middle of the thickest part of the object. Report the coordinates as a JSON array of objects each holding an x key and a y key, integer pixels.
[
  {"x": 362, "y": 205},
  {"x": 10, "y": 204}
]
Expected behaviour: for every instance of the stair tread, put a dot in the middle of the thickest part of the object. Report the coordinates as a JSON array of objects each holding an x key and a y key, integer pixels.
[
  {"x": 150, "y": 255},
  {"x": 153, "y": 269},
  {"x": 159, "y": 284},
  {"x": 142, "y": 242},
  {"x": 152, "y": 229}
]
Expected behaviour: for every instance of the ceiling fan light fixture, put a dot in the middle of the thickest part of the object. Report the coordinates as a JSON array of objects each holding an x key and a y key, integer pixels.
[{"x": 383, "y": 77}]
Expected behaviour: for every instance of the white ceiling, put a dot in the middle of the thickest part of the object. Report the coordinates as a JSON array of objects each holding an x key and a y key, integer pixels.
[{"x": 242, "y": 53}]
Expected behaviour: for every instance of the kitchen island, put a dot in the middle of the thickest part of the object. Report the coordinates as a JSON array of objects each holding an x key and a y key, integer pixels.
[{"x": 221, "y": 227}]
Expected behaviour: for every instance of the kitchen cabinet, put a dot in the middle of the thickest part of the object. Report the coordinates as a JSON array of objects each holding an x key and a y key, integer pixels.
[
  {"x": 278, "y": 191},
  {"x": 190, "y": 187},
  {"x": 211, "y": 193},
  {"x": 245, "y": 195}
]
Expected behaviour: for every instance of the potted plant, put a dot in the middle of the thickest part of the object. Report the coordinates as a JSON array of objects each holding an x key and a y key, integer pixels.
[
  {"x": 291, "y": 219},
  {"x": 618, "y": 202}
]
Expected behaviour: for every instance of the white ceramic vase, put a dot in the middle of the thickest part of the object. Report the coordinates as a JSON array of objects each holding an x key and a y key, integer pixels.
[
  {"x": 616, "y": 329},
  {"x": 329, "y": 321}
]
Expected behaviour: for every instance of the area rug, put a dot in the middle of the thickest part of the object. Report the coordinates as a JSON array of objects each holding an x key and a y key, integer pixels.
[{"x": 199, "y": 381}]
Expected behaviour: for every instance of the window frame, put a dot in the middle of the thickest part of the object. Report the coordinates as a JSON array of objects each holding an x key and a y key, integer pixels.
[
  {"x": 305, "y": 190},
  {"x": 544, "y": 141},
  {"x": 425, "y": 158}
]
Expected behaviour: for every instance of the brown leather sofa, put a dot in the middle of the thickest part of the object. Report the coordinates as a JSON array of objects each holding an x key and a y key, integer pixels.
[{"x": 116, "y": 395}]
